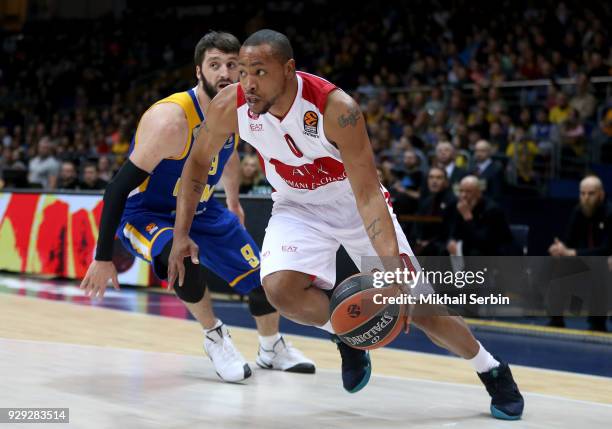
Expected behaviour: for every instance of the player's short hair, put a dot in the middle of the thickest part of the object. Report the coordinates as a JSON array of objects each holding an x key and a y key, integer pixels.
[
  {"x": 281, "y": 47},
  {"x": 225, "y": 42}
]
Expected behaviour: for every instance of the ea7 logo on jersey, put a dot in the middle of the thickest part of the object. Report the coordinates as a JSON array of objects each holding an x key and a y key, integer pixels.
[
  {"x": 311, "y": 121},
  {"x": 256, "y": 127}
]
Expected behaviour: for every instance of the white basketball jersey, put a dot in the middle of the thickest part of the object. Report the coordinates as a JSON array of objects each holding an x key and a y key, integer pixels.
[{"x": 299, "y": 162}]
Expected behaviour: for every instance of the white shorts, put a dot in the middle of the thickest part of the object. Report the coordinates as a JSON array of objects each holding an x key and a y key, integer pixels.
[{"x": 305, "y": 238}]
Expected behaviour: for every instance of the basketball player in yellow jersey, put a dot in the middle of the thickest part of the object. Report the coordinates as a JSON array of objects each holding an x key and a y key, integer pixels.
[{"x": 139, "y": 204}]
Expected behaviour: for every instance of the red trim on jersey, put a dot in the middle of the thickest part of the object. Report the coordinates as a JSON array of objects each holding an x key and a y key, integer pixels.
[
  {"x": 240, "y": 98},
  {"x": 315, "y": 89}
]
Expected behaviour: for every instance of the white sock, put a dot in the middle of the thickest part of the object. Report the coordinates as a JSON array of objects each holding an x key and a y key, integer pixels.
[
  {"x": 267, "y": 343},
  {"x": 216, "y": 325},
  {"x": 327, "y": 327},
  {"x": 483, "y": 361}
]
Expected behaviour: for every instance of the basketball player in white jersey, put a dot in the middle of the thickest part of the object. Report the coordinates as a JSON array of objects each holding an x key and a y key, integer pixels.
[{"x": 313, "y": 143}]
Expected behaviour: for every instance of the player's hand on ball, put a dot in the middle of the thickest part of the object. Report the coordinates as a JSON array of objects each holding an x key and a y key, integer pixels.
[
  {"x": 97, "y": 278},
  {"x": 182, "y": 247},
  {"x": 405, "y": 289}
]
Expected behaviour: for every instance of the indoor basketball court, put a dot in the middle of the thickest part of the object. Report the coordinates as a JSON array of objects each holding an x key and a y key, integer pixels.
[
  {"x": 228, "y": 214},
  {"x": 119, "y": 362}
]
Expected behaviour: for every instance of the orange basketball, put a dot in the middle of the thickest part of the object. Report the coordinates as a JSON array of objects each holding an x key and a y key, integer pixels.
[{"x": 358, "y": 319}]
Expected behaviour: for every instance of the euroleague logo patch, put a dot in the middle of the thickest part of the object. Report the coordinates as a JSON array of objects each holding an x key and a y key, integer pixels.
[
  {"x": 353, "y": 310},
  {"x": 311, "y": 121}
]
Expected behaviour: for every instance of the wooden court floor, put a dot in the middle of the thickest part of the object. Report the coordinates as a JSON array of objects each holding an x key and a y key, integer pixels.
[{"x": 53, "y": 328}]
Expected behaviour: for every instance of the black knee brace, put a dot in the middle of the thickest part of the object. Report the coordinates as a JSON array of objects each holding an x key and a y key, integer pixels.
[
  {"x": 258, "y": 303},
  {"x": 194, "y": 284}
]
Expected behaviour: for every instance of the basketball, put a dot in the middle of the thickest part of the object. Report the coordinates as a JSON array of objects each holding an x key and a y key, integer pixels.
[{"x": 358, "y": 320}]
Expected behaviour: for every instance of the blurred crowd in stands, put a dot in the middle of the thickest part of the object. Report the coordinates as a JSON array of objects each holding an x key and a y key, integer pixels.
[
  {"x": 432, "y": 88},
  {"x": 465, "y": 104}
]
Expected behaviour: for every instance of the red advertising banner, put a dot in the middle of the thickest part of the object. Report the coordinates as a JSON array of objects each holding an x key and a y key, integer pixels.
[{"x": 55, "y": 234}]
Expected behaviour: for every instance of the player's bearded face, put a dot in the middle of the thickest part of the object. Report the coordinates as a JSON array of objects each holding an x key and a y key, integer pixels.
[
  {"x": 218, "y": 70},
  {"x": 210, "y": 88}
]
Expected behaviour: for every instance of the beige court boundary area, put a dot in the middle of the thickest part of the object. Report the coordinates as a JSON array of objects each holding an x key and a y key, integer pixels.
[{"x": 29, "y": 318}]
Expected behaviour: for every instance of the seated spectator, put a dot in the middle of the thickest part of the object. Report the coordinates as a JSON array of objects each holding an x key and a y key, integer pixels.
[
  {"x": 561, "y": 110},
  {"x": 479, "y": 226},
  {"x": 406, "y": 189},
  {"x": 498, "y": 138},
  {"x": 104, "y": 169},
  {"x": 522, "y": 152},
  {"x": 431, "y": 237},
  {"x": 573, "y": 135},
  {"x": 589, "y": 233},
  {"x": 489, "y": 172},
  {"x": 251, "y": 179},
  {"x": 385, "y": 177},
  {"x": 121, "y": 144},
  {"x": 584, "y": 101},
  {"x": 541, "y": 131},
  {"x": 6, "y": 158},
  {"x": 44, "y": 167},
  {"x": 446, "y": 159},
  {"x": 414, "y": 140},
  {"x": 68, "y": 178},
  {"x": 91, "y": 181}
]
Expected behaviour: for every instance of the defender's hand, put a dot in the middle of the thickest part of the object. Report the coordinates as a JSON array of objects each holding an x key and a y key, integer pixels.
[
  {"x": 182, "y": 247},
  {"x": 97, "y": 277}
]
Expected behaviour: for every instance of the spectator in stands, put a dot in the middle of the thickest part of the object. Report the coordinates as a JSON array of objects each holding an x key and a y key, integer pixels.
[
  {"x": 573, "y": 135},
  {"x": 435, "y": 104},
  {"x": 596, "y": 66},
  {"x": 44, "y": 167},
  {"x": 9, "y": 160},
  {"x": 498, "y": 137},
  {"x": 541, "y": 131},
  {"x": 584, "y": 101},
  {"x": 560, "y": 110},
  {"x": 406, "y": 189},
  {"x": 104, "y": 169},
  {"x": 415, "y": 141},
  {"x": 489, "y": 172},
  {"x": 479, "y": 226},
  {"x": 522, "y": 152},
  {"x": 68, "y": 178},
  {"x": 589, "y": 233},
  {"x": 91, "y": 181},
  {"x": 446, "y": 158},
  {"x": 251, "y": 178},
  {"x": 432, "y": 237},
  {"x": 121, "y": 143}
]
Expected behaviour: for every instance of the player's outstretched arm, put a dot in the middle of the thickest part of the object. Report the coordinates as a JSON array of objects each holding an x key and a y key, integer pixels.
[
  {"x": 221, "y": 121},
  {"x": 162, "y": 133},
  {"x": 345, "y": 126}
]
